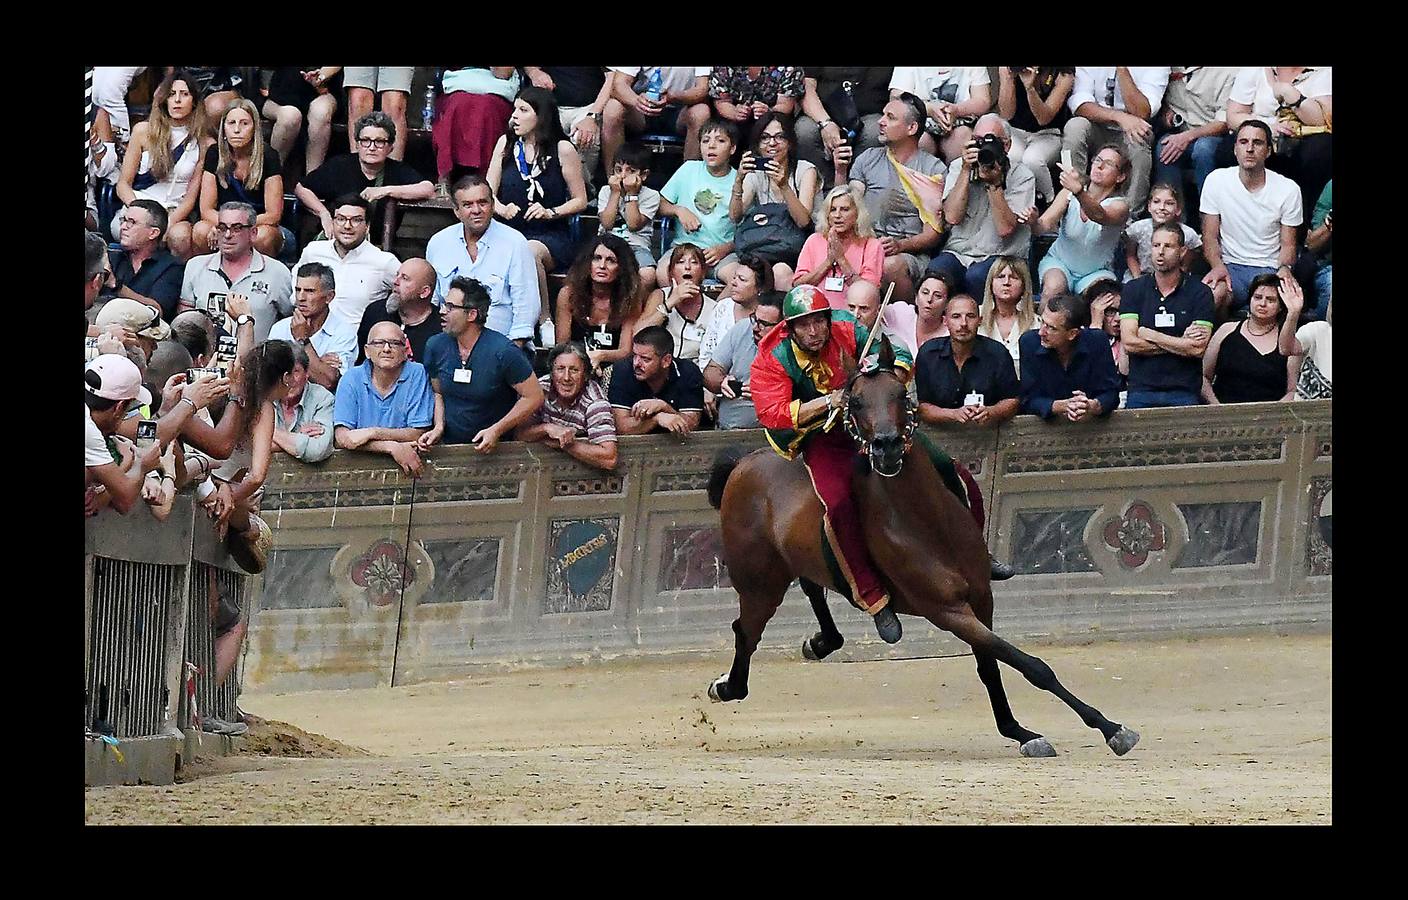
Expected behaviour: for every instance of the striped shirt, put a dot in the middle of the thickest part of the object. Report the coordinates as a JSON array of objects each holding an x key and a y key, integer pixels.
[{"x": 589, "y": 416}]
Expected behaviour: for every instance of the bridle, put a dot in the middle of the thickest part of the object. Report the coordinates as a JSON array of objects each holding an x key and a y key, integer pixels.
[{"x": 910, "y": 422}]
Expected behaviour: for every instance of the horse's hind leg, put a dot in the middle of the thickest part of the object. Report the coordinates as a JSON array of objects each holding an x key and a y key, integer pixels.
[
  {"x": 755, "y": 609},
  {"x": 978, "y": 636},
  {"x": 1032, "y": 744},
  {"x": 828, "y": 640}
]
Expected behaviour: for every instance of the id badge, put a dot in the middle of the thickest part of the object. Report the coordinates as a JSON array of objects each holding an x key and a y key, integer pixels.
[
  {"x": 462, "y": 376},
  {"x": 1163, "y": 320},
  {"x": 692, "y": 332},
  {"x": 834, "y": 283},
  {"x": 973, "y": 399},
  {"x": 603, "y": 339}
]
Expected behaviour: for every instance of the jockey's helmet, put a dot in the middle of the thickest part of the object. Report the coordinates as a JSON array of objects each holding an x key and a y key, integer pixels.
[{"x": 803, "y": 300}]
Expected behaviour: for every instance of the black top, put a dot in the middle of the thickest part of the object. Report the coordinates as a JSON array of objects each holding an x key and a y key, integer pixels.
[
  {"x": 288, "y": 87},
  {"x": 416, "y": 334},
  {"x": 1024, "y": 118},
  {"x": 1191, "y": 301},
  {"x": 869, "y": 85},
  {"x": 1244, "y": 374},
  {"x": 576, "y": 85},
  {"x": 683, "y": 388},
  {"x": 590, "y": 335},
  {"x": 989, "y": 371},
  {"x": 237, "y": 192},
  {"x": 343, "y": 175},
  {"x": 159, "y": 278},
  {"x": 1092, "y": 372},
  {"x": 513, "y": 189}
]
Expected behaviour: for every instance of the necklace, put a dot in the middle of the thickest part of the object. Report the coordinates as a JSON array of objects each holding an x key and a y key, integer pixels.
[{"x": 1260, "y": 333}]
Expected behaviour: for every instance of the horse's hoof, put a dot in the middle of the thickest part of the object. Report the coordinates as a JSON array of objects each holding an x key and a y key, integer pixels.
[
  {"x": 1038, "y": 747},
  {"x": 718, "y": 689},
  {"x": 1123, "y": 740},
  {"x": 807, "y": 651}
]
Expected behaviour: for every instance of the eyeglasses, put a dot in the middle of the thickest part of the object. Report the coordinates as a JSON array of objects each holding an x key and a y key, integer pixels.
[
  {"x": 449, "y": 305},
  {"x": 369, "y": 143},
  {"x": 385, "y": 345},
  {"x": 770, "y": 138},
  {"x": 128, "y": 220},
  {"x": 759, "y": 323},
  {"x": 348, "y": 220},
  {"x": 231, "y": 229}
]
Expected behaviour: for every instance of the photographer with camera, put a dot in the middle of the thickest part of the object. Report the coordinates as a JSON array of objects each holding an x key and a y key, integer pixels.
[
  {"x": 1033, "y": 101},
  {"x": 1115, "y": 104},
  {"x": 953, "y": 98},
  {"x": 983, "y": 191}
]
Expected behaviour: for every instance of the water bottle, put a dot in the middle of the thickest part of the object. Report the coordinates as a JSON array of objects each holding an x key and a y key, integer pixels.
[
  {"x": 427, "y": 112},
  {"x": 654, "y": 86}
]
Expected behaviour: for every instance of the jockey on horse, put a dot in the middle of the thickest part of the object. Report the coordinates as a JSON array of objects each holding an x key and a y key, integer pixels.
[{"x": 797, "y": 381}]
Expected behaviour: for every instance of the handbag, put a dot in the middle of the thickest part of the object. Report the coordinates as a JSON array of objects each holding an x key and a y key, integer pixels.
[{"x": 768, "y": 231}]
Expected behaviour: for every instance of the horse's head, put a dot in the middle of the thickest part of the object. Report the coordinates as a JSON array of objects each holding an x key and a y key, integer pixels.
[{"x": 879, "y": 414}]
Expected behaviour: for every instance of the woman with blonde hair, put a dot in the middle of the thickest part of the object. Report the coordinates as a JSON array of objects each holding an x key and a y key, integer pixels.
[
  {"x": 241, "y": 168},
  {"x": 843, "y": 250},
  {"x": 1008, "y": 311},
  {"x": 163, "y": 159}
]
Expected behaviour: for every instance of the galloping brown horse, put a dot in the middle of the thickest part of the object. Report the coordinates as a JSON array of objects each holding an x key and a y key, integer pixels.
[{"x": 929, "y": 549}]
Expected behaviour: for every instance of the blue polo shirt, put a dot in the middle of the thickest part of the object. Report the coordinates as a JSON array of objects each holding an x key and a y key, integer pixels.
[
  {"x": 495, "y": 363},
  {"x": 1191, "y": 301},
  {"x": 411, "y": 404},
  {"x": 1092, "y": 371},
  {"x": 989, "y": 371}
]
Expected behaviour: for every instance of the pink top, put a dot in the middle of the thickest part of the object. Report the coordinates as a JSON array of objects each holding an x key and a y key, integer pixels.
[{"x": 867, "y": 259}]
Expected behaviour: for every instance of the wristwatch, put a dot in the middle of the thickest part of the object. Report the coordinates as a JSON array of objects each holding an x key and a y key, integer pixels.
[
  {"x": 245, "y": 319},
  {"x": 823, "y": 123},
  {"x": 632, "y": 198}
]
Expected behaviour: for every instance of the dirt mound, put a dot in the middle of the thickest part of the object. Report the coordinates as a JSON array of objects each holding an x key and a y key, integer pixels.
[{"x": 267, "y": 737}]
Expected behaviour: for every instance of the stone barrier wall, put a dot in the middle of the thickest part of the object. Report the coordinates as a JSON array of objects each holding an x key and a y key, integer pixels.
[{"x": 1150, "y": 522}]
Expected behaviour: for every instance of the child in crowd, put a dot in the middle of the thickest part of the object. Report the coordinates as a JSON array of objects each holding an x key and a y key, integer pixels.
[
  {"x": 628, "y": 207},
  {"x": 1165, "y": 205},
  {"x": 697, "y": 194}
]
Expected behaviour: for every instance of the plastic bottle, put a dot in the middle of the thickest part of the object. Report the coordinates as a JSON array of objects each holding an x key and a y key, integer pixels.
[
  {"x": 427, "y": 112},
  {"x": 654, "y": 86}
]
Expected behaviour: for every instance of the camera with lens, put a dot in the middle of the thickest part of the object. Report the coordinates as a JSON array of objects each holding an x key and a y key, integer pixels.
[{"x": 991, "y": 152}]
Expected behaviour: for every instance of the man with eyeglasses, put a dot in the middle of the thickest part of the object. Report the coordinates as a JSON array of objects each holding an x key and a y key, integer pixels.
[
  {"x": 729, "y": 372},
  {"x": 385, "y": 405},
  {"x": 364, "y": 272},
  {"x": 1115, "y": 105},
  {"x": 1067, "y": 370},
  {"x": 331, "y": 343},
  {"x": 237, "y": 268},
  {"x": 144, "y": 269},
  {"x": 369, "y": 173}
]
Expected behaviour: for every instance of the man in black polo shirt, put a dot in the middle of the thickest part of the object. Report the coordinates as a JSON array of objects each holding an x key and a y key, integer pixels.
[
  {"x": 651, "y": 391},
  {"x": 1165, "y": 322},
  {"x": 144, "y": 270},
  {"x": 965, "y": 378},
  {"x": 1067, "y": 370},
  {"x": 408, "y": 305}
]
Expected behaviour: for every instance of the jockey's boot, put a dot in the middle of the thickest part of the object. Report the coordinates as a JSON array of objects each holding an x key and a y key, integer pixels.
[
  {"x": 1001, "y": 571},
  {"x": 887, "y": 624}
]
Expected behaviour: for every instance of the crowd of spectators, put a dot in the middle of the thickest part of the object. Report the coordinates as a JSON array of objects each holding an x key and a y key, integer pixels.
[{"x": 1008, "y": 214}]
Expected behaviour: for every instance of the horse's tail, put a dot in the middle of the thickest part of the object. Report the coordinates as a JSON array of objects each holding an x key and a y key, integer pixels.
[{"x": 725, "y": 461}]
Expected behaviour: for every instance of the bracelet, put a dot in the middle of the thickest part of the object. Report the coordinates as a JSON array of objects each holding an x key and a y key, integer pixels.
[
  {"x": 822, "y": 124},
  {"x": 187, "y": 400}
]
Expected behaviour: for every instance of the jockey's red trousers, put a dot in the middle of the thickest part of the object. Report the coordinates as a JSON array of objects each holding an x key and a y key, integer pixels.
[{"x": 830, "y": 458}]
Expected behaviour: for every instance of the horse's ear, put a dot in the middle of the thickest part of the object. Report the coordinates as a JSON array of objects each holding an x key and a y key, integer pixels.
[{"x": 887, "y": 354}]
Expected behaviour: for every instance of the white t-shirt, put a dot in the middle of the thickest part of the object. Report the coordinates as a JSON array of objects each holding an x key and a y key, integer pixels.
[
  {"x": 95, "y": 448},
  {"x": 720, "y": 321},
  {"x": 674, "y": 79},
  {"x": 1093, "y": 82},
  {"x": 922, "y": 81},
  {"x": 1253, "y": 87},
  {"x": 648, "y": 204},
  {"x": 1142, "y": 234},
  {"x": 1250, "y": 231},
  {"x": 1314, "y": 380}
]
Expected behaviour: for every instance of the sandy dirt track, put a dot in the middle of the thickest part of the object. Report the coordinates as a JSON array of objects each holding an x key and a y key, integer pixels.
[{"x": 1235, "y": 729}]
